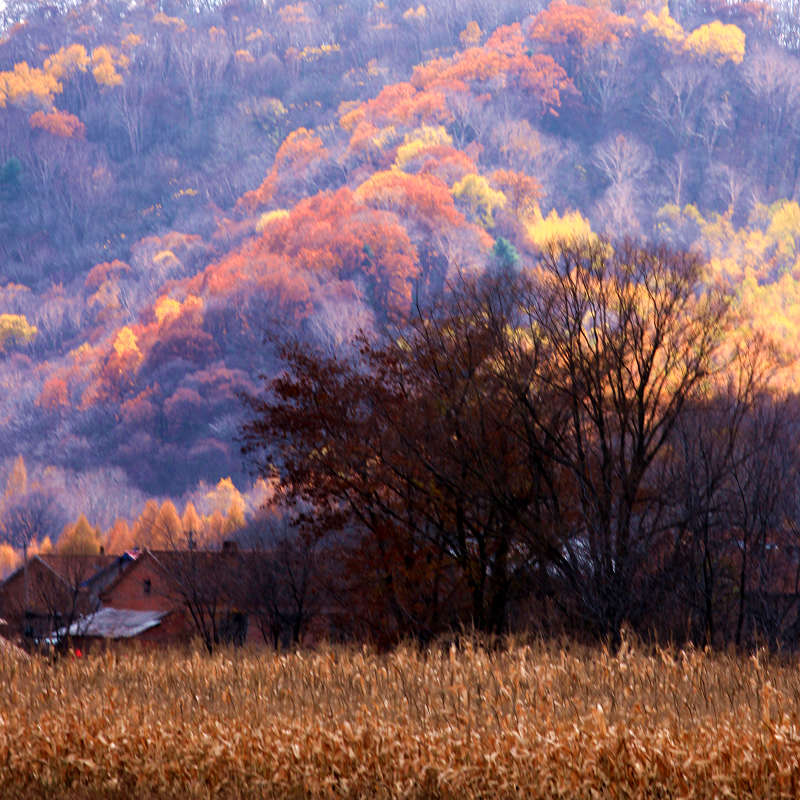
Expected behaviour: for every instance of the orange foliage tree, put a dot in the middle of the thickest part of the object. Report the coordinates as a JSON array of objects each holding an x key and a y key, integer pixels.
[
  {"x": 425, "y": 198},
  {"x": 247, "y": 275},
  {"x": 333, "y": 234},
  {"x": 572, "y": 32},
  {"x": 503, "y": 62},
  {"x": 293, "y": 173},
  {"x": 398, "y": 104},
  {"x": 58, "y": 123},
  {"x": 522, "y": 192}
]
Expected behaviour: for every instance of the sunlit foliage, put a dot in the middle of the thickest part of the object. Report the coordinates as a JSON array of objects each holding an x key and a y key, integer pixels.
[
  {"x": 717, "y": 42},
  {"x": 339, "y": 157},
  {"x": 15, "y": 328},
  {"x": 419, "y": 141},
  {"x": 104, "y": 69},
  {"x": 58, "y": 123},
  {"x": 546, "y": 231},
  {"x": 665, "y": 27},
  {"x": 79, "y": 538},
  {"x": 476, "y": 192},
  {"x": 67, "y": 61},
  {"x": 26, "y": 83}
]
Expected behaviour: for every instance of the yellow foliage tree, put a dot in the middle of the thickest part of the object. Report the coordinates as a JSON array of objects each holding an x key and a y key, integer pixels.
[
  {"x": 767, "y": 248},
  {"x": 294, "y": 15},
  {"x": 166, "y": 257},
  {"x": 225, "y": 496},
  {"x": 522, "y": 192},
  {"x": 79, "y": 539},
  {"x": 10, "y": 559},
  {"x": 41, "y": 548},
  {"x": 234, "y": 519},
  {"x": 25, "y": 83},
  {"x": 773, "y": 310},
  {"x": 418, "y": 14},
  {"x": 550, "y": 230},
  {"x": 103, "y": 68},
  {"x": 471, "y": 35},
  {"x": 214, "y": 529},
  {"x": 228, "y": 503},
  {"x": 420, "y": 140},
  {"x": 145, "y": 523},
  {"x": 191, "y": 522},
  {"x": 131, "y": 40},
  {"x": 119, "y": 537},
  {"x": 170, "y": 22},
  {"x": 665, "y": 27},
  {"x": 125, "y": 343},
  {"x": 15, "y": 327},
  {"x": 717, "y": 42},
  {"x": 166, "y": 307},
  {"x": 266, "y": 219},
  {"x": 784, "y": 229},
  {"x": 761, "y": 261},
  {"x": 66, "y": 61},
  {"x": 167, "y": 531},
  {"x": 476, "y": 192}
]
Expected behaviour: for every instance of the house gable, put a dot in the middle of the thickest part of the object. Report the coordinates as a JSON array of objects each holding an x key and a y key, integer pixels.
[{"x": 143, "y": 586}]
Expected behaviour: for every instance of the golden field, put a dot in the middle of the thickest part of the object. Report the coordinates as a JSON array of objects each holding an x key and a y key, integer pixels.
[{"x": 535, "y": 720}]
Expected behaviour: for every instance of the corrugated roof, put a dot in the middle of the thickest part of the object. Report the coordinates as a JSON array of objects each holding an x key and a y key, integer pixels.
[{"x": 114, "y": 623}]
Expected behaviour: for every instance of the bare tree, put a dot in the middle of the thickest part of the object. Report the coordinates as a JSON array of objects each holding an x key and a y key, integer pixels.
[
  {"x": 29, "y": 517},
  {"x": 771, "y": 77},
  {"x": 623, "y": 158},
  {"x": 677, "y": 175},
  {"x": 609, "y": 80},
  {"x": 677, "y": 102},
  {"x": 730, "y": 185},
  {"x": 58, "y": 592},
  {"x": 207, "y": 585},
  {"x": 631, "y": 341},
  {"x": 282, "y": 579},
  {"x": 709, "y": 448},
  {"x": 619, "y": 209},
  {"x": 760, "y": 473},
  {"x": 718, "y": 117}
]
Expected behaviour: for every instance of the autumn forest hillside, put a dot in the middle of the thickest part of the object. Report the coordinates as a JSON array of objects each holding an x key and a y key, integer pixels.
[{"x": 184, "y": 187}]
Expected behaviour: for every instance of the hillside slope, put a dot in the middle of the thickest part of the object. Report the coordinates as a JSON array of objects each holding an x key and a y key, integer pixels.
[{"x": 176, "y": 185}]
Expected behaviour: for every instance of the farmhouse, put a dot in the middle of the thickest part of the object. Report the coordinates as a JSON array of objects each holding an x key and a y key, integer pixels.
[
  {"x": 52, "y": 590},
  {"x": 205, "y": 593},
  {"x": 161, "y": 597},
  {"x": 154, "y": 597}
]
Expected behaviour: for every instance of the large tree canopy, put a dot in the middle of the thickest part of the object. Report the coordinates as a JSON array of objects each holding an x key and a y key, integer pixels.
[{"x": 509, "y": 433}]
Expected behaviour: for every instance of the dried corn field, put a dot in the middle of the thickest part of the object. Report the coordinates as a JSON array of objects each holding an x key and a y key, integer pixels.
[{"x": 539, "y": 720}]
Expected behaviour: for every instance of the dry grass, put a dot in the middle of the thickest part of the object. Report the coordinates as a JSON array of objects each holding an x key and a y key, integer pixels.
[{"x": 528, "y": 721}]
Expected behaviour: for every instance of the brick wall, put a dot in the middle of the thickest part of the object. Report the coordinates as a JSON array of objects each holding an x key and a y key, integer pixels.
[{"x": 142, "y": 587}]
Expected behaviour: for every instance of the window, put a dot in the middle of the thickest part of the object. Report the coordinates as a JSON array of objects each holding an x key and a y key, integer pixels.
[{"x": 147, "y": 585}]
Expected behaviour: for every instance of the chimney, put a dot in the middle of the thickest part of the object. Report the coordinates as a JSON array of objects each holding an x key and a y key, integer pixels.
[{"x": 230, "y": 547}]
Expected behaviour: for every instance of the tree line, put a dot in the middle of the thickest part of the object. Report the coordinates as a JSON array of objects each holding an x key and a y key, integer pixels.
[{"x": 578, "y": 445}]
